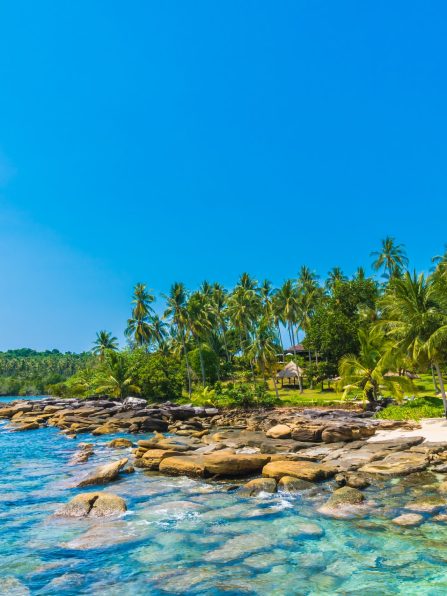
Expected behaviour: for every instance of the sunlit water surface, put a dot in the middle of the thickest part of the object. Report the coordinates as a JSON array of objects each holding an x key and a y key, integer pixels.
[{"x": 182, "y": 536}]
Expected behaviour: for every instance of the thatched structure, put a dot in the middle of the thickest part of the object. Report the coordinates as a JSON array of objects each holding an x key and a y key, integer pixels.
[{"x": 290, "y": 371}]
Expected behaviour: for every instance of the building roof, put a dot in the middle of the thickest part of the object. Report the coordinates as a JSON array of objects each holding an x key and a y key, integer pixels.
[
  {"x": 290, "y": 371},
  {"x": 295, "y": 349}
]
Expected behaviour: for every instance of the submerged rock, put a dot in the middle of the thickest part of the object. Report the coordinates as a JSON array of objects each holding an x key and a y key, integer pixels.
[
  {"x": 97, "y": 504},
  {"x": 104, "y": 474},
  {"x": 429, "y": 504},
  {"x": 257, "y": 486},
  {"x": 290, "y": 484},
  {"x": 343, "y": 502},
  {"x": 408, "y": 519}
]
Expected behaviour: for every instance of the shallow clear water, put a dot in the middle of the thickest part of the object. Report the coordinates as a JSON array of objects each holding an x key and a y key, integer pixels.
[{"x": 185, "y": 536}]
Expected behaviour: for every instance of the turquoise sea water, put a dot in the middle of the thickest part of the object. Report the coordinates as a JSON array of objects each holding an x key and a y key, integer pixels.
[{"x": 182, "y": 536}]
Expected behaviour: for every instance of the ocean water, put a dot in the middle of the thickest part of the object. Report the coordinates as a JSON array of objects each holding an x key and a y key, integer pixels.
[{"x": 182, "y": 536}]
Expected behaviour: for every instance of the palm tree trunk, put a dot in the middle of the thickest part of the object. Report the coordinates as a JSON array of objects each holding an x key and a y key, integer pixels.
[
  {"x": 202, "y": 366},
  {"x": 441, "y": 385},
  {"x": 435, "y": 384},
  {"x": 280, "y": 341},
  {"x": 276, "y": 386},
  {"x": 188, "y": 371}
]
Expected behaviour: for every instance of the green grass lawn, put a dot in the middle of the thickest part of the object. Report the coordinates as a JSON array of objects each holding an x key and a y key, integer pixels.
[{"x": 424, "y": 404}]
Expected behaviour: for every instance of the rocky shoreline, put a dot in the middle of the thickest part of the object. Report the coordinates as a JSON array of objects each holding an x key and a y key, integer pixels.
[{"x": 275, "y": 450}]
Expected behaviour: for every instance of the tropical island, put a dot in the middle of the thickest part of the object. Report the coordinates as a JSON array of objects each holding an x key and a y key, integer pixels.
[{"x": 245, "y": 425}]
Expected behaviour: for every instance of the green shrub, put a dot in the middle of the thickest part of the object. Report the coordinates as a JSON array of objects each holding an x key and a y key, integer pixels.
[
  {"x": 246, "y": 396},
  {"x": 422, "y": 407}
]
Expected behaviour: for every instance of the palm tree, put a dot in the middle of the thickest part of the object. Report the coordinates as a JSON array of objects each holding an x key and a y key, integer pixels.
[
  {"x": 288, "y": 305},
  {"x": 138, "y": 328},
  {"x": 335, "y": 276},
  {"x": 415, "y": 316},
  {"x": 391, "y": 258},
  {"x": 219, "y": 313},
  {"x": 199, "y": 324},
  {"x": 104, "y": 341},
  {"x": 367, "y": 372},
  {"x": 176, "y": 311},
  {"x": 158, "y": 332},
  {"x": 118, "y": 379},
  {"x": 307, "y": 279},
  {"x": 262, "y": 349}
]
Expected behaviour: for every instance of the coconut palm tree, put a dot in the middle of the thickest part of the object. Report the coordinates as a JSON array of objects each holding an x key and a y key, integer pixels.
[
  {"x": 415, "y": 316},
  {"x": 391, "y": 258},
  {"x": 117, "y": 376},
  {"x": 158, "y": 332},
  {"x": 104, "y": 341},
  {"x": 263, "y": 347},
  {"x": 335, "y": 276},
  {"x": 199, "y": 323},
  {"x": 138, "y": 327},
  {"x": 287, "y": 302},
  {"x": 176, "y": 311},
  {"x": 367, "y": 372}
]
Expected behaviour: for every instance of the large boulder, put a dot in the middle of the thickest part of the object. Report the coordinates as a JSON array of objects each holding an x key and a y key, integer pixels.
[
  {"x": 280, "y": 431},
  {"x": 97, "y": 504},
  {"x": 134, "y": 403},
  {"x": 151, "y": 459},
  {"x": 397, "y": 464},
  {"x": 222, "y": 463},
  {"x": 305, "y": 470},
  {"x": 104, "y": 474},
  {"x": 308, "y": 433},
  {"x": 187, "y": 465}
]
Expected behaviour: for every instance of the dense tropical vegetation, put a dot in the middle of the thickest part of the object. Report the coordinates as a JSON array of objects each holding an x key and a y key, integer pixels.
[{"x": 367, "y": 336}]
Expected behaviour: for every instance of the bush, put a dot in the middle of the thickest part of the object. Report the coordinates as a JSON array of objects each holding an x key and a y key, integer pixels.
[
  {"x": 159, "y": 377},
  {"x": 422, "y": 407},
  {"x": 247, "y": 396},
  {"x": 210, "y": 363}
]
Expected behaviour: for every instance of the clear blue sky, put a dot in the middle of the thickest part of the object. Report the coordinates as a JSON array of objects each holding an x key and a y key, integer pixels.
[{"x": 160, "y": 141}]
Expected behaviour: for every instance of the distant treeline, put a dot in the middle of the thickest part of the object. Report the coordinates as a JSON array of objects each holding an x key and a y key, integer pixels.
[{"x": 28, "y": 372}]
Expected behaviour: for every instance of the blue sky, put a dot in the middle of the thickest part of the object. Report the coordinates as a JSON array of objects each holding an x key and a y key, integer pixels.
[{"x": 161, "y": 141}]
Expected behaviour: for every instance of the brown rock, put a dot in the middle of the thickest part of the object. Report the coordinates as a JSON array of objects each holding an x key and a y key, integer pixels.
[
  {"x": 151, "y": 459},
  {"x": 308, "y": 433},
  {"x": 234, "y": 464},
  {"x": 305, "y": 470},
  {"x": 290, "y": 484},
  {"x": 188, "y": 465},
  {"x": 104, "y": 474},
  {"x": 280, "y": 431},
  {"x": 97, "y": 504},
  {"x": 120, "y": 443},
  {"x": 257, "y": 486},
  {"x": 397, "y": 464}
]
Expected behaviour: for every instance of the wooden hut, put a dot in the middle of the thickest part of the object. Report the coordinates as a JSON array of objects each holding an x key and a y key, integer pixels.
[{"x": 290, "y": 371}]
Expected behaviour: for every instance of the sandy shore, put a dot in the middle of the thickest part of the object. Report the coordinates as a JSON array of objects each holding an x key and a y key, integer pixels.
[{"x": 434, "y": 430}]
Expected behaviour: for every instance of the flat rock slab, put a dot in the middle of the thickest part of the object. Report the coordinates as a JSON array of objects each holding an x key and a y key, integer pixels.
[
  {"x": 219, "y": 463},
  {"x": 305, "y": 470},
  {"x": 397, "y": 464}
]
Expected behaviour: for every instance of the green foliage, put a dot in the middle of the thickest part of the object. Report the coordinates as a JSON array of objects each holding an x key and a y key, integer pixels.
[
  {"x": 247, "y": 395},
  {"x": 422, "y": 407},
  {"x": 159, "y": 377},
  {"x": 333, "y": 328},
  {"x": 210, "y": 363},
  {"x": 27, "y": 372}
]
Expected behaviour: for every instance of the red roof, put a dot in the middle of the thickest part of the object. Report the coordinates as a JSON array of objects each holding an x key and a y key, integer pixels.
[{"x": 296, "y": 348}]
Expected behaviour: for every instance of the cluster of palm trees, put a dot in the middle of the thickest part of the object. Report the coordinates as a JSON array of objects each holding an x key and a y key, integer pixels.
[{"x": 250, "y": 321}]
